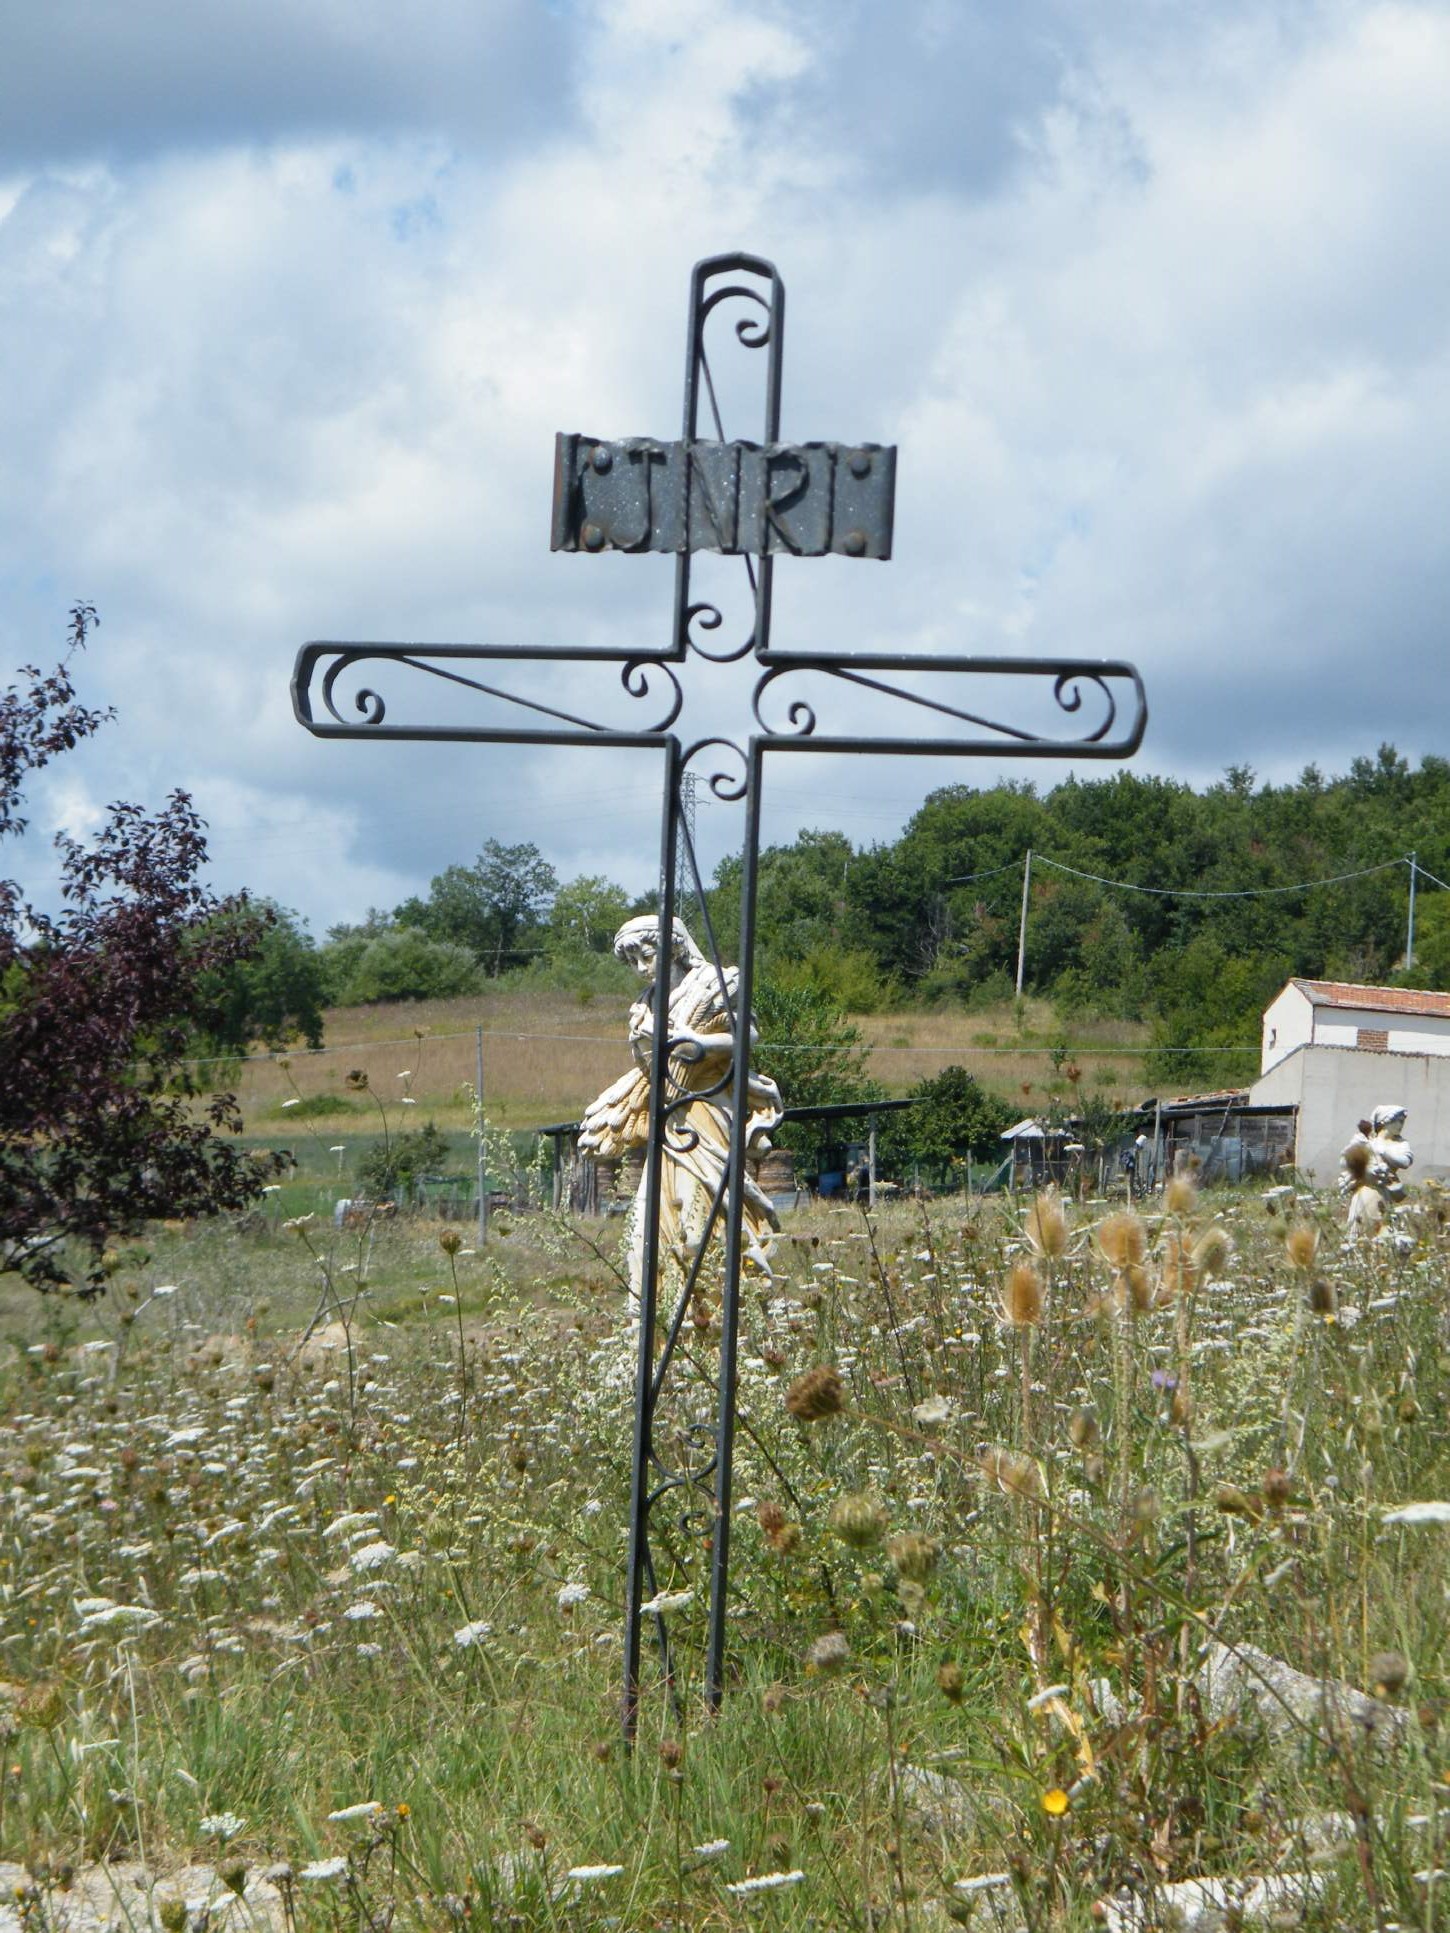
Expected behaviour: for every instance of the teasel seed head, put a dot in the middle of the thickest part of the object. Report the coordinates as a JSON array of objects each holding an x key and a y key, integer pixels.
[
  {"x": 1301, "y": 1245},
  {"x": 1180, "y": 1197},
  {"x": 1046, "y": 1228},
  {"x": 1122, "y": 1241},
  {"x": 1021, "y": 1296}
]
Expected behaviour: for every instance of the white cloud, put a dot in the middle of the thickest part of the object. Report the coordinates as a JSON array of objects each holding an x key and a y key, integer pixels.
[{"x": 1165, "y": 353}]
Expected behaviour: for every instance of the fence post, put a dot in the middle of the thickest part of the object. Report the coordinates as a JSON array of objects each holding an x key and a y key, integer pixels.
[{"x": 482, "y": 1143}]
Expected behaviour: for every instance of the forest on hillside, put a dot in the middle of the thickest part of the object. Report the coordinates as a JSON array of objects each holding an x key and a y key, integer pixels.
[{"x": 931, "y": 918}]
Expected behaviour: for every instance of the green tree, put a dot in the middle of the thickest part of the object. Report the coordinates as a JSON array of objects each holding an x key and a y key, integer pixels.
[
  {"x": 274, "y": 995},
  {"x": 586, "y": 914},
  {"x": 814, "y": 1053},
  {"x": 954, "y": 1118},
  {"x": 406, "y": 965},
  {"x": 385, "y": 1166},
  {"x": 1210, "y": 1007},
  {"x": 493, "y": 907}
]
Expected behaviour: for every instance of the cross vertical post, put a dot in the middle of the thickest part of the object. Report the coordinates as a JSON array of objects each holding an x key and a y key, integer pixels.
[{"x": 757, "y": 501}]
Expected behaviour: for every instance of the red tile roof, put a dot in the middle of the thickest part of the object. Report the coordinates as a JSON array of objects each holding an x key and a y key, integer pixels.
[{"x": 1407, "y": 1000}]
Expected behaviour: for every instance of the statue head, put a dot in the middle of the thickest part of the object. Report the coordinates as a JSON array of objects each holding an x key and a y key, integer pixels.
[
  {"x": 637, "y": 943},
  {"x": 1389, "y": 1119}
]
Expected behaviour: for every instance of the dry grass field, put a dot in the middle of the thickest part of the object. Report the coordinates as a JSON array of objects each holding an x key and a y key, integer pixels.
[
  {"x": 1089, "y": 1571},
  {"x": 547, "y": 1054}
]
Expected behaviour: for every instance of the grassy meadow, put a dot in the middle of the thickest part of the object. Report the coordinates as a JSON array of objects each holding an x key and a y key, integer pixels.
[
  {"x": 1034, "y": 1507},
  {"x": 546, "y": 1054}
]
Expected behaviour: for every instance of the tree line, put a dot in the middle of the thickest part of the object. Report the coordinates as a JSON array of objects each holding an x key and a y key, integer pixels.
[
  {"x": 894, "y": 924},
  {"x": 104, "y": 1003}
]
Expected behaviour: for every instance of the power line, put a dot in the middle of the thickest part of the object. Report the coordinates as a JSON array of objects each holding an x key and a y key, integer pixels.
[
  {"x": 1239, "y": 892},
  {"x": 360, "y": 1048}
]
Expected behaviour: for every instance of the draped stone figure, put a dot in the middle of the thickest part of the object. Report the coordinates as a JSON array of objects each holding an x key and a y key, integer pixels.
[
  {"x": 1374, "y": 1164},
  {"x": 697, "y": 1141}
]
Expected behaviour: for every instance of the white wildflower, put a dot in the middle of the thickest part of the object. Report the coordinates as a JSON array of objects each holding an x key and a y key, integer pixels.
[
  {"x": 765, "y": 1883},
  {"x": 593, "y": 1872},
  {"x": 372, "y": 1557},
  {"x": 129, "y": 1617},
  {"x": 294, "y": 1100},
  {"x": 221, "y": 1825},
  {"x": 712, "y": 1849},
  {"x": 324, "y": 1869},
  {"x": 1419, "y": 1513},
  {"x": 362, "y": 1611},
  {"x": 572, "y": 1594},
  {"x": 349, "y": 1815},
  {"x": 354, "y": 1520},
  {"x": 471, "y": 1634},
  {"x": 934, "y": 1413},
  {"x": 667, "y": 1601}
]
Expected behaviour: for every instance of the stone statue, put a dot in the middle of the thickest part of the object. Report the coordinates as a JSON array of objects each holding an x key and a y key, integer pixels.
[
  {"x": 1375, "y": 1160},
  {"x": 697, "y": 1143}
]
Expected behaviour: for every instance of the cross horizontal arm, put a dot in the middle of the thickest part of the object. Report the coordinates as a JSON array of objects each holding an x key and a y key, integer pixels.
[
  {"x": 1013, "y": 707},
  {"x": 645, "y": 692}
]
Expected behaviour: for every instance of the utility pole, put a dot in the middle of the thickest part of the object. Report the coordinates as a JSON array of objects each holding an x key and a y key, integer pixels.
[
  {"x": 1022, "y": 929},
  {"x": 684, "y": 878},
  {"x": 482, "y": 1145},
  {"x": 1410, "y": 929}
]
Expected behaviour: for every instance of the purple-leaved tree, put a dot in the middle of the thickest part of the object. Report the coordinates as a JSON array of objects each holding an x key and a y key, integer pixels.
[{"x": 98, "y": 1131}]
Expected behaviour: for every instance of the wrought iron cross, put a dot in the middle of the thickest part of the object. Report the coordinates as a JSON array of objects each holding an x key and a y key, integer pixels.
[{"x": 760, "y": 501}]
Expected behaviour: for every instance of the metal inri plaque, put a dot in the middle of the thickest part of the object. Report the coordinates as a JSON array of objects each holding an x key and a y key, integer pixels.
[{"x": 760, "y": 499}]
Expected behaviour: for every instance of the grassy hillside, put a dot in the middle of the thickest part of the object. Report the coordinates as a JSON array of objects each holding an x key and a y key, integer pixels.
[{"x": 547, "y": 1054}]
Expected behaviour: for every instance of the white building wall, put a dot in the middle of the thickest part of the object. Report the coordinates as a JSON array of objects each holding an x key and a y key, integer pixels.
[
  {"x": 1334, "y": 1087},
  {"x": 1288, "y": 1023},
  {"x": 1408, "y": 1033}
]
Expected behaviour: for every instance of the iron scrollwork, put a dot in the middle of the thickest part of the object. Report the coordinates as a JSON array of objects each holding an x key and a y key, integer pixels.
[{"x": 1085, "y": 709}]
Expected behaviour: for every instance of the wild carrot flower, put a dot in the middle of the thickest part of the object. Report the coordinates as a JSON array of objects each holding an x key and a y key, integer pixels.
[
  {"x": 933, "y": 1414},
  {"x": 859, "y": 1521},
  {"x": 1014, "y": 1475},
  {"x": 663, "y": 1601},
  {"x": 325, "y": 1868},
  {"x": 765, "y": 1883},
  {"x": 221, "y": 1825},
  {"x": 816, "y": 1395},
  {"x": 914, "y": 1556}
]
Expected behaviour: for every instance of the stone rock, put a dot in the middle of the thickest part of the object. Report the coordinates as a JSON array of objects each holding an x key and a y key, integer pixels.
[
  {"x": 127, "y": 1898},
  {"x": 1236, "y": 1680},
  {"x": 1211, "y": 1905},
  {"x": 941, "y": 1804}
]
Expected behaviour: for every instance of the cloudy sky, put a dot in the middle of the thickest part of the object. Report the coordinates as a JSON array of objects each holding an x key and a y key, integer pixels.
[{"x": 1154, "y": 300}]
